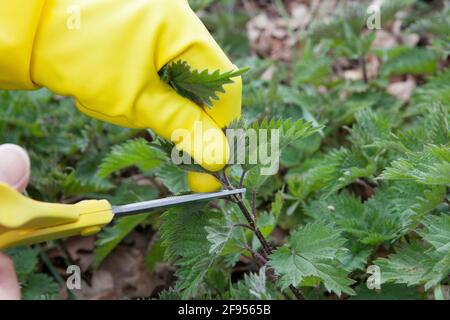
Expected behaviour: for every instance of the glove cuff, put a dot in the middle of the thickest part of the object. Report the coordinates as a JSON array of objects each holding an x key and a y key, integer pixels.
[{"x": 19, "y": 20}]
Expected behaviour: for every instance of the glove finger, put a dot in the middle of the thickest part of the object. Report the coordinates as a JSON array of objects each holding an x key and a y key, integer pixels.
[
  {"x": 196, "y": 46},
  {"x": 203, "y": 182}
]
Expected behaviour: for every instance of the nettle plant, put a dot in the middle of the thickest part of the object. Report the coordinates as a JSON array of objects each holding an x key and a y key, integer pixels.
[
  {"x": 365, "y": 197},
  {"x": 405, "y": 174},
  {"x": 204, "y": 241}
]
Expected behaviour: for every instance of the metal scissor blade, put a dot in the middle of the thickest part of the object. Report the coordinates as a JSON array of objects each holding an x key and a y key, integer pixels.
[{"x": 147, "y": 206}]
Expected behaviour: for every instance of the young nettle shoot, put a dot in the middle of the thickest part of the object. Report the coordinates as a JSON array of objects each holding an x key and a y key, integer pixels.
[{"x": 201, "y": 87}]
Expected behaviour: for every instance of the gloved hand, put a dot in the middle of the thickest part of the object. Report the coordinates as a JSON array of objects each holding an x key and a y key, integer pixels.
[
  {"x": 15, "y": 171},
  {"x": 110, "y": 66}
]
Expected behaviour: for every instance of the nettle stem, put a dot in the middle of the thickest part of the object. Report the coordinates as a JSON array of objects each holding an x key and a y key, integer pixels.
[
  {"x": 251, "y": 219},
  {"x": 363, "y": 63}
]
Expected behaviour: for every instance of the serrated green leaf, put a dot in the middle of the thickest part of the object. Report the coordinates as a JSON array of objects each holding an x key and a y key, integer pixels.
[
  {"x": 254, "y": 286},
  {"x": 135, "y": 152},
  {"x": 312, "y": 253},
  {"x": 421, "y": 263},
  {"x": 173, "y": 177},
  {"x": 393, "y": 211},
  {"x": 25, "y": 260},
  {"x": 431, "y": 166},
  {"x": 39, "y": 287},
  {"x": 437, "y": 232},
  {"x": 193, "y": 243},
  {"x": 411, "y": 61},
  {"x": 409, "y": 265},
  {"x": 200, "y": 87}
]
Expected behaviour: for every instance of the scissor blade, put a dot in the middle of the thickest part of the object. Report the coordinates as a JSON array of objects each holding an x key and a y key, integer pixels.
[{"x": 148, "y": 206}]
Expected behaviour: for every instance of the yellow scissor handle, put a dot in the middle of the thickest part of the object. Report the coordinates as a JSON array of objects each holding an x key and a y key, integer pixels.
[{"x": 25, "y": 221}]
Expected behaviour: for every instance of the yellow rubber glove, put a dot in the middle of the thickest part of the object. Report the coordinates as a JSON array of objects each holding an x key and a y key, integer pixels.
[{"x": 107, "y": 54}]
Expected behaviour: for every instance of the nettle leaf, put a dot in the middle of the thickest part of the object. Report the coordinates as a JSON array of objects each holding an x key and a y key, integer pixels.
[
  {"x": 254, "y": 286},
  {"x": 259, "y": 137},
  {"x": 430, "y": 166},
  {"x": 195, "y": 240},
  {"x": 355, "y": 258},
  {"x": 34, "y": 286},
  {"x": 411, "y": 61},
  {"x": 420, "y": 263},
  {"x": 173, "y": 177},
  {"x": 437, "y": 232},
  {"x": 436, "y": 123},
  {"x": 393, "y": 211},
  {"x": 170, "y": 294},
  {"x": 311, "y": 256},
  {"x": 25, "y": 260},
  {"x": 390, "y": 8},
  {"x": 371, "y": 129},
  {"x": 410, "y": 265},
  {"x": 430, "y": 129},
  {"x": 345, "y": 167},
  {"x": 313, "y": 68},
  {"x": 137, "y": 152},
  {"x": 184, "y": 235},
  {"x": 290, "y": 130},
  {"x": 82, "y": 185},
  {"x": 200, "y": 87},
  {"x": 434, "y": 91},
  {"x": 39, "y": 286}
]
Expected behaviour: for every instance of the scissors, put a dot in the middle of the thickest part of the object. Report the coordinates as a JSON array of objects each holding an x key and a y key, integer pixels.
[{"x": 24, "y": 221}]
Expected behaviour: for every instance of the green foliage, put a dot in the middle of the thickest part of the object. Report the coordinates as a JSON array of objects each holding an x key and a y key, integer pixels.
[
  {"x": 254, "y": 286},
  {"x": 199, "y": 86},
  {"x": 197, "y": 5},
  {"x": 174, "y": 178},
  {"x": 195, "y": 243},
  {"x": 411, "y": 61},
  {"x": 436, "y": 24},
  {"x": 421, "y": 262},
  {"x": 311, "y": 257},
  {"x": 35, "y": 286},
  {"x": 65, "y": 146},
  {"x": 390, "y": 213},
  {"x": 311, "y": 69},
  {"x": 132, "y": 153},
  {"x": 363, "y": 177},
  {"x": 83, "y": 185},
  {"x": 433, "y": 92},
  {"x": 283, "y": 132},
  {"x": 431, "y": 166},
  {"x": 39, "y": 286}
]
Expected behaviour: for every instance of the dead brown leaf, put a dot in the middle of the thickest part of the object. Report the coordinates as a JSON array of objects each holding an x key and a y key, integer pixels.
[
  {"x": 123, "y": 275},
  {"x": 402, "y": 90}
]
